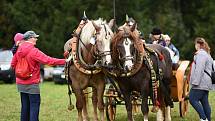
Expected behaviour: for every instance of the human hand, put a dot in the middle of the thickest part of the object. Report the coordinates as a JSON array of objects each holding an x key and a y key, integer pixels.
[{"x": 65, "y": 54}]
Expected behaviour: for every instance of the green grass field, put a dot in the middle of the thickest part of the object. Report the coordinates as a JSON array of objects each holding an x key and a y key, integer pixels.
[{"x": 54, "y": 101}]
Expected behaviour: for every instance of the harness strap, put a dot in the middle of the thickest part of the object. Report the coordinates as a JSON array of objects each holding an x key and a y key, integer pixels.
[
  {"x": 79, "y": 64},
  {"x": 66, "y": 71},
  {"x": 155, "y": 81},
  {"x": 160, "y": 57},
  {"x": 84, "y": 68}
]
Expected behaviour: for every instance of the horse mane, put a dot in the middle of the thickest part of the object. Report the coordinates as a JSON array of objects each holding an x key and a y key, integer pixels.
[
  {"x": 89, "y": 30},
  {"x": 105, "y": 30},
  {"x": 133, "y": 35}
]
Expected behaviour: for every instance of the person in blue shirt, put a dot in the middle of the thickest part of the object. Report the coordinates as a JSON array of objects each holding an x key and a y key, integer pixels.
[{"x": 174, "y": 53}]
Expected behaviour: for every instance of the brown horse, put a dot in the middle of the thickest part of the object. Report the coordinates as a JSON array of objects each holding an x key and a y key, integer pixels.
[
  {"x": 92, "y": 52},
  {"x": 132, "y": 72}
]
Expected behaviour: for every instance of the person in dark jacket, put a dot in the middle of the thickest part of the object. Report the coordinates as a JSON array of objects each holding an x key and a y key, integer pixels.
[
  {"x": 201, "y": 82},
  {"x": 156, "y": 37}
]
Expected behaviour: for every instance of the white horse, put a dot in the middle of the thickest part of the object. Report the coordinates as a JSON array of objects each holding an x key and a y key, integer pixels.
[
  {"x": 98, "y": 33},
  {"x": 93, "y": 45}
]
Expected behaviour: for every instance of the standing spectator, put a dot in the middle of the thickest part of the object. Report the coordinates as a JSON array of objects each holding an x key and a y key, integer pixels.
[
  {"x": 18, "y": 39},
  {"x": 200, "y": 82},
  {"x": 29, "y": 88}
]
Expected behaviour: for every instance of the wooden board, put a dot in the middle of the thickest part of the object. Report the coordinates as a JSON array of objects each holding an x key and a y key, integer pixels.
[{"x": 178, "y": 81}]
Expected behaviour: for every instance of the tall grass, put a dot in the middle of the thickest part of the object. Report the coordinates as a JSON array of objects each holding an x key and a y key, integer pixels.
[{"x": 54, "y": 101}]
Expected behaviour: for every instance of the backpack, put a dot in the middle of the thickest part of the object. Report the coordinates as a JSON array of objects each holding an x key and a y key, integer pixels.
[
  {"x": 22, "y": 69},
  {"x": 212, "y": 74}
]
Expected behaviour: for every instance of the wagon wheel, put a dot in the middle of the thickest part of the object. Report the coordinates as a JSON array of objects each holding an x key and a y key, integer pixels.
[
  {"x": 110, "y": 102},
  {"x": 183, "y": 105}
]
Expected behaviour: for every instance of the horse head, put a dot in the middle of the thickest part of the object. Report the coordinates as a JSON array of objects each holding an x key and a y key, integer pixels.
[
  {"x": 103, "y": 38},
  {"x": 125, "y": 45},
  {"x": 98, "y": 34}
]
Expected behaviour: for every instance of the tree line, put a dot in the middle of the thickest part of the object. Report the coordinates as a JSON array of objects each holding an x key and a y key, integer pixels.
[{"x": 55, "y": 20}]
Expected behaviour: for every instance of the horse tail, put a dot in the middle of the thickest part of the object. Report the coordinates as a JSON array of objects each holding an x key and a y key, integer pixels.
[{"x": 166, "y": 92}]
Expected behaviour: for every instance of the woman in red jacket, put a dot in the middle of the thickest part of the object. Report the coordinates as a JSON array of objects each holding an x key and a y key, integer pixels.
[{"x": 29, "y": 88}]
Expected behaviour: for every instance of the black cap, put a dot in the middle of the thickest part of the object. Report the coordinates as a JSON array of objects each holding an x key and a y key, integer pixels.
[{"x": 156, "y": 31}]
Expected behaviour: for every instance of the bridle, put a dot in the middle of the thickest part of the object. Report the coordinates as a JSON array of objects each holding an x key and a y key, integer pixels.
[
  {"x": 130, "y": 57},
  {"x": 98, "y": 52}
]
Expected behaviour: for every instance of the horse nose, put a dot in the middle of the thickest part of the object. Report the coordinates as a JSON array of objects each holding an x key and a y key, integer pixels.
[
  {"x": 108, "y": 59},
  {"x": 106, "y": 64},
  {"x": 128, "y": 65}
]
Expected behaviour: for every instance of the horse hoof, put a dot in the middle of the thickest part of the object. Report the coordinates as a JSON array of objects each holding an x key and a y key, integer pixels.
[
  {"x": 155, "y": 109},
  {"x": 70, "y": 107}
]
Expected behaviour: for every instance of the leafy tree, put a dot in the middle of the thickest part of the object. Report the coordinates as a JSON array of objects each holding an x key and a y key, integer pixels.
[
  {"x": 54, "y": 20},
  {"x": 7, "y": 29}
]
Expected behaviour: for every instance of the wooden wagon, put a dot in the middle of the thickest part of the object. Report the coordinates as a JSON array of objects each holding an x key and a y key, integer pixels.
[
  {"x": 179, "y": 93},
  {"x": 180, "y": 87}
]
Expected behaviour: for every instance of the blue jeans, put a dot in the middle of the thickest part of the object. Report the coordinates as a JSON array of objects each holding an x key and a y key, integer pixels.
[
  {"x": 30, "y": 107},
  {"x": 199, "y": 101}
]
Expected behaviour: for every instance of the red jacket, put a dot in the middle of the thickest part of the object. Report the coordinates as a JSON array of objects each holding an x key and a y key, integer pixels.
[{"x": 34, "y": 57}]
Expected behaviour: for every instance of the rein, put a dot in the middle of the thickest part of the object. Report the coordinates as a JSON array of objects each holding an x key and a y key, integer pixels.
[{"x": 155, "y": 82}]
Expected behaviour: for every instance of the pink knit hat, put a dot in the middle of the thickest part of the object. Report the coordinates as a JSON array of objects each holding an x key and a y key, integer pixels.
[{"x": 18, "y": 37}]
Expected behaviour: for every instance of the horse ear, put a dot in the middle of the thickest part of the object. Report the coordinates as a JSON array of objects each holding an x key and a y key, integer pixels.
[
  {"x": 126, "y": 17},
  {"x": 96, "y": 26},
  {"x": 84, "y": 16},
  {"x": 133, "y": 26},
  {"x": 111, "y": 23}
]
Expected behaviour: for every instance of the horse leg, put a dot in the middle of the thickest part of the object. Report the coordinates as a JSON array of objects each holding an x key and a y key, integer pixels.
[
  {"x": 94, "y": 102},
  {"x": 168, "y": 113},
  {"x": 145, "y": 108},
  {"x": 159, "y": 115},
  {"x": 79, "y": 102},
  {"x": 127, "y": 97},
  {"x": 84, "y": 111},
  {"x": 144, "y": 105},
  {"x": 165, "y": 89},
  {"x": 100, "y": 93}
]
